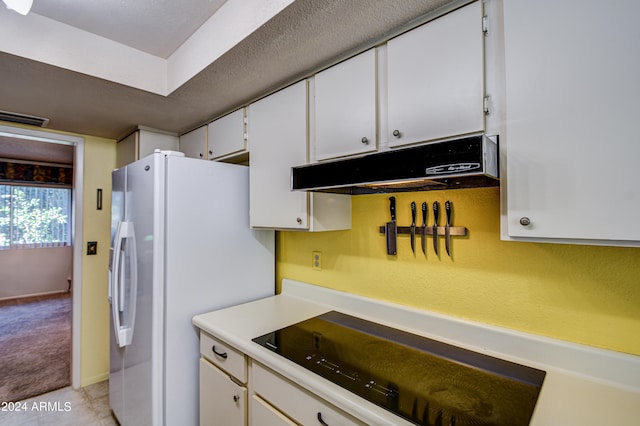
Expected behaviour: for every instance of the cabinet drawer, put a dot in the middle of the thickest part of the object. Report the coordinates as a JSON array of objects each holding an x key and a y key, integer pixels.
[
  {"x": 224, "y": 356},
  {"x": 296, "y": 402}
]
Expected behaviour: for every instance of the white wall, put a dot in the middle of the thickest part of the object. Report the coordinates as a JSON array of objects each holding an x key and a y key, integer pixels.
[{"x": 34, "y": 271}]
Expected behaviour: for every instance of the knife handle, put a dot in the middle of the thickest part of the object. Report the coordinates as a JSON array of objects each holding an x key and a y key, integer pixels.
[
  {"x": 413, "y": 213},
  {"x": 447, "y": 210},
  {"x": 436, "y": 212},
  {"x": 392, "y": 208},
  {"x": 424, "y": 213}
]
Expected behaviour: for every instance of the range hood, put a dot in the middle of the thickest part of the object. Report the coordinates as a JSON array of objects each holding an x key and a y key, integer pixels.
[{"x": 469, "y": 162}]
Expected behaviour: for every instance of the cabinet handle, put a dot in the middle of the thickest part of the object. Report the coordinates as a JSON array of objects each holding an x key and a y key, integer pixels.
[
  {"x": 299, "y": 220},
  {"x": 365, "y": 141},
  {"x": 220, "y": 354},
  {"x": 396, "y": 133},
  {"x": 322, "y": 422},
  {"x": 525, "y": 221},
  {"x": 201, "y": 155},
  {"x": 210, "y": 152},
  {"x": 236, "y": 398}
]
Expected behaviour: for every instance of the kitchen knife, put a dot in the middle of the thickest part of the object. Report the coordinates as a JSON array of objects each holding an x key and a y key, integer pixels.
[
  {"x": 391, "y": 230},
  {"x": 413, "y": 226},
  {"x": 434, "y": 234},
  {"x": 423, "y": 234},
  {"x": 447, "y": 228}
]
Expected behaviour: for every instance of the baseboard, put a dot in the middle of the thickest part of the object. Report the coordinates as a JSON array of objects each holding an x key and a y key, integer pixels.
[
  {"x": 93, "y": 380},
  {"x": 22, "y": 296}
]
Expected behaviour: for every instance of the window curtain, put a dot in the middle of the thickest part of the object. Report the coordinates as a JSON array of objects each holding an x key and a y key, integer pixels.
[{"x": 36, "y": 173}]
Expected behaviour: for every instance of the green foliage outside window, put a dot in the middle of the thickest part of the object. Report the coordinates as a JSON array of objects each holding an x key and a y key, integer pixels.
[{"x": 34, "y": 216}]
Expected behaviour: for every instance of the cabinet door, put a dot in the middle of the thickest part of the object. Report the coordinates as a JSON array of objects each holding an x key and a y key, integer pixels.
[
  {"x": 194, "y": 143},
  {"x": 263, "y": 414},
  {"x": 345, "y": 108},
  {"x": 227, "y": 135},
  {"x": 222, "y": 402},
  {"x": 435, "y": 79},
  {"x": 572, "y": 110},
  {"x": 278, "y": 138},
  {"x": 149, "y": 141},
  {"x": 127, "y": 150}
]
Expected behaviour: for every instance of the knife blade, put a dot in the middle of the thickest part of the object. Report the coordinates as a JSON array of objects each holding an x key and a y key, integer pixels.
[
  {"x": 391, "y": 230},
  {"x": 434, "y": 234},
  {"x": 423, "y": 233},
  {"x": 447, "y": 228},
  {"x": 413, "y": 226}
]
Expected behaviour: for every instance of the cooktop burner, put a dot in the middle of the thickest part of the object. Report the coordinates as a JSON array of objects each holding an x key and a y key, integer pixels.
[{"x": 422, "y": 380}]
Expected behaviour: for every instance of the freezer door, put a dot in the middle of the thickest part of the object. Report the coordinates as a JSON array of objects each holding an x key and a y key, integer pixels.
[
  {"x": 142, "y": 357},
  {"x": 116, "y": 353}
]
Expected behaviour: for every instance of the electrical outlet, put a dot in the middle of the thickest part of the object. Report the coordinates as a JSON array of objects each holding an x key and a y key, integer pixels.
[{"x": 316, "y": 260}]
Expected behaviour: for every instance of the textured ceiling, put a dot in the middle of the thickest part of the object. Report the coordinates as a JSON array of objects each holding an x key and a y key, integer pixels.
[{"x": 303, "y": 38}]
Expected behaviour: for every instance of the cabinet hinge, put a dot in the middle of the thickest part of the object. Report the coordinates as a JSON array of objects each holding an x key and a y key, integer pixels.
[
  {"x": 485, "y": 105},
  {"x": 485, "y": 25}
]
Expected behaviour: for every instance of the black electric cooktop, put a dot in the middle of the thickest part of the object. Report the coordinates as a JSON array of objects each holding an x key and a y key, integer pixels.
[{"x": 422, "y": 380}]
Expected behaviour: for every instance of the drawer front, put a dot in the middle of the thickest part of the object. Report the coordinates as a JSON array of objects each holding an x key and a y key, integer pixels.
[
  {"x": 297, "y": 403},
  {"x": 263, "y": 414},
  {"x": 224, "y": 356}
]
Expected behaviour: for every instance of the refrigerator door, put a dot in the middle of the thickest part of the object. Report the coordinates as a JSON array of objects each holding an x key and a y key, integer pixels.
[
  {"x": 213, "y": 260},
  {"x": 116, "y": 353},
  {"x": 141, "y": 385}
]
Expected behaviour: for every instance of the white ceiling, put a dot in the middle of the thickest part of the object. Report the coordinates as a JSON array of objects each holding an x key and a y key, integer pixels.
[
  {"x": 157, "y": 27},
  {"x": 102, "y": 67}
]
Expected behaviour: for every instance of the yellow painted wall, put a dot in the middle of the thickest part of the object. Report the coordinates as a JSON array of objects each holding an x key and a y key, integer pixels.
[
  {"x": 99, "y": 161},
  {"x": 584, "y": 294}
]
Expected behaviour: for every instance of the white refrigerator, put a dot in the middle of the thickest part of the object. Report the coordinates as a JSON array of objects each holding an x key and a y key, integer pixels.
[{"x": 180, "y": 246}]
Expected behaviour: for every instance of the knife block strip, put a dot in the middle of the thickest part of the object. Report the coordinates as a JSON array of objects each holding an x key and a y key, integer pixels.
[{"x": 453, "y": 231}]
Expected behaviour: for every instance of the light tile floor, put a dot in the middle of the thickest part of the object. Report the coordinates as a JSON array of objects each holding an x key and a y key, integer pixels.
[{"x": 64, "y": 407}]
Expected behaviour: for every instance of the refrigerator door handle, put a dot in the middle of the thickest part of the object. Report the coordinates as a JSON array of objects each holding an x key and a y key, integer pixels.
[
  {"x": 114, "y": 282},
  {"x": 124, "y": 299}
]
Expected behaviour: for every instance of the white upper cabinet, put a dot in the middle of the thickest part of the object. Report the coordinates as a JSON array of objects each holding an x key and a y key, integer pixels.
[
  {"x": 436, "y": 79},
  {"x": 194, "y": 143},
  {"x": 278, "y": 132},
  {"x": 143, "y": 142},
  {"x": 278, "y": 136},
  {"x": 572, "y": 108},
  {"x": 227, "y": 135},
  {"x": 345, "y": 108}
]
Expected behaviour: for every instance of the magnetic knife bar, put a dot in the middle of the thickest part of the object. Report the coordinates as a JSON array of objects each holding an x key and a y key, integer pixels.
[{"x": 454, "y": 230}]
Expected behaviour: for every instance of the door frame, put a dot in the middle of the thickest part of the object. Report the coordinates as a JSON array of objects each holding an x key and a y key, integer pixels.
[{"x": 77, "y": 215}]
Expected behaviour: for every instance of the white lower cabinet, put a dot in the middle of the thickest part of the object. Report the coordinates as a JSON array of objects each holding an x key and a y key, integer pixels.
[
  {"x": 223, "y": 402},
  {"x": 236, "y": 390},
  {"x": 223, "y": 378},
  {"x": 295, "y": 402}
]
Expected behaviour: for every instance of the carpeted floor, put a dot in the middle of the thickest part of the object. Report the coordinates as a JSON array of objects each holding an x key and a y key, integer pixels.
[{"x": 35, "y": 346}]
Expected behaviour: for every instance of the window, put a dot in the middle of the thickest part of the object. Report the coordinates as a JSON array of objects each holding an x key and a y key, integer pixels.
[{"x": 34, "y": 216}]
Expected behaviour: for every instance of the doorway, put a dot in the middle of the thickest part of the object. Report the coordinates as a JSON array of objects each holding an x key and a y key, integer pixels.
[{"x": 73, "y": 277}]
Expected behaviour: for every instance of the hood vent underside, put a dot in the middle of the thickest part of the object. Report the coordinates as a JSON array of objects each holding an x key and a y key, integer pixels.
[{"x": 470, "y": 162}]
